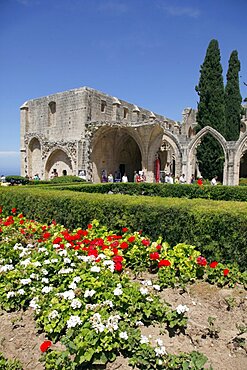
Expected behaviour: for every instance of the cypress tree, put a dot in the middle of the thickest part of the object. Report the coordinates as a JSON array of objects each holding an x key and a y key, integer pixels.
[
  {"x": 211, "y": 112},
  {"x": 233, "y": 99}
]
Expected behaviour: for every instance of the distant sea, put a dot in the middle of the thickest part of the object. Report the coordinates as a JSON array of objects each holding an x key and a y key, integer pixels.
[{"x": 9, "y": 163}]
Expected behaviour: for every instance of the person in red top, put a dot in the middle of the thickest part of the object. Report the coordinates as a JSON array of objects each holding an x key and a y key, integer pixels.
[{"x": 199, "y": 181}]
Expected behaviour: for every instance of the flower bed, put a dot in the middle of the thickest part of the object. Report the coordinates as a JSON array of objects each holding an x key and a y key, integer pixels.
[{"x": 80, "y": 286}]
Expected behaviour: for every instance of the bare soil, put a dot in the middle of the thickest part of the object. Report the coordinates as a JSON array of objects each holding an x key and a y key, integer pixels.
[{"x": 217, "y": 318}]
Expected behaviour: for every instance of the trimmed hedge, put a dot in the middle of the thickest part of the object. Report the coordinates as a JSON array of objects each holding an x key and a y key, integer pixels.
[
  {"x": 218, "y": 229},
  {"x": 228, "y": 193}
]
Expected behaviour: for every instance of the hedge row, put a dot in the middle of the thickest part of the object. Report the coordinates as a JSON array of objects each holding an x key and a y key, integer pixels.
[
  {"x": 218, "y": 229},
  {"x": 227, "y": 193}
]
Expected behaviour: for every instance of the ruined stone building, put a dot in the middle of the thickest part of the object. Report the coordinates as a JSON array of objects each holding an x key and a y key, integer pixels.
[{"x": 86, "y": 131}]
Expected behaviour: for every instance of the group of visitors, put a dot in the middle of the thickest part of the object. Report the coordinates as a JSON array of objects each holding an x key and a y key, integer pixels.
[{"x": 168, "y": 179}]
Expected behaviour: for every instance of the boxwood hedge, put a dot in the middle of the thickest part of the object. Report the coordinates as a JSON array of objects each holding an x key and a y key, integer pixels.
[
  {"x": 235, "y": 193},
  {"x": 219, "y": 229}
]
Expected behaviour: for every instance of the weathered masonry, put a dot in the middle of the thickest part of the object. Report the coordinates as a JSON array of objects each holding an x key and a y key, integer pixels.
[{"x": 86, "y": 131}]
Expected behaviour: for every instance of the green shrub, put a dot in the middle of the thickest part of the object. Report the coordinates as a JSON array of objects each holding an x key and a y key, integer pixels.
[
  {"x": 17, "y": 180},
  {"x": 218, "y": 229},
  {"x": 234, "y": 193}
]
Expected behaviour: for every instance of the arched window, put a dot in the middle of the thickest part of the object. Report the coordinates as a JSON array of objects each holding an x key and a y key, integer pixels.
[{"x": 52, "y": 113}]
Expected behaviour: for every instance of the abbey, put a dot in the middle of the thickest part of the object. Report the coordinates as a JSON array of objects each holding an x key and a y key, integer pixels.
[{"x": 86, "y": 131}]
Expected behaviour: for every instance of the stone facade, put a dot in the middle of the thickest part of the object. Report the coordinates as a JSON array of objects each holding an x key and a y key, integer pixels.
[{"x": 86, "y": 130}]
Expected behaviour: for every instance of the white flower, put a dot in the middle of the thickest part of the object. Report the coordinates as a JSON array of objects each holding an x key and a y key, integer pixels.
[
  {"x": 46, "y": 289},
  {"x": 182, "y": 309},
  {"x": 54, "y": 260},
  {"x": 95, "y": 269},
  {"x": 67, "y": 260},
  {"x": 102, "y": 256},
  {"x": 65, "y": 271},
  {"x": 25, "y": 281},
  {"x": 76, "y": 279},
  {"x": 144, "y": 291},
  {"x": 26, "y": 262},
  {"x": 84, "y": 258},
  {"x": 160, "y": 351},
  {"x": 144, "y": 339},
  {"x": 96, "y": 323},
  {"x": 69, "y": 294},
  {"x": 108, "y": 303},
  {"x": 63, "y": 252},
  {"x": 89, "y": 293},
  {"x": 33, "y": 303},
  {"x": 42, "y": 249},
  {"x": 6, "y": 268},
  {"x": 112, "y": 322},
  {"x": 110, "y": 265},
  {"x": 149, "y": 299},
  {"x": 21, "y": 291},
  {"x": 44, "y": 272},
  {"x": 17, "y": 246},
  {"x": 53, "y": 315},
  {"x": 37, "y": 264},
  {"x": 10, "y": 295},
  {"x": 117, "y": 291},
  {"x": 159, "y": 342},
  {"x": 76, "y": 303},
  {"x": 47, "y": 262},
  {"x": 123, "y": 335},
  {"x": 139, "y": 323},
  {"x": 34, "y": 276},
  {"x": 24, "y": 253},
  {"x": 73, "y": 321},
  {"x": 72, "y": 285},
  {"x": 147, "y": 282},
  {"x": 45, "y": 280},
  {"x": 156, "y": 287}
]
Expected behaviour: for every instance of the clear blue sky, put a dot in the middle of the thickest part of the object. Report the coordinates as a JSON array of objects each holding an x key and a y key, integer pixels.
[{"x": 147, "y": 52}]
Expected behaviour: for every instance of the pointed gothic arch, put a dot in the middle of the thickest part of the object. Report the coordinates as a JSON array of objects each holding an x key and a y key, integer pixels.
[
  {"x": 34, "y": 157},
  {"x": 60, "y": 160}
]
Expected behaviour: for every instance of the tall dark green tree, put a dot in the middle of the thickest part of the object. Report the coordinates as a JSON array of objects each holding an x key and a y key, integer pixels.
[
  {"x": 211, "y": 112},
  {"x": 233, "y": 99}
]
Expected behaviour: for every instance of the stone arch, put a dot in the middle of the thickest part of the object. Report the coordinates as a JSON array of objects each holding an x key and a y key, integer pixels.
[
  {"x": 167, "y": 146},
  {"x": 34, "y": 157},
  {"x": 196, "y": 141},
  {"x": 60, "y": 160},
  {"x": 115, "y": 149},
  {"x": 240, "y": 168}
]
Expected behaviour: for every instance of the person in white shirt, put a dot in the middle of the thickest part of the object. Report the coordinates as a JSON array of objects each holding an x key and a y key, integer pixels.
[
  {"x": 214, "y": 181},
  {"x": 182, "y": 179},
  {"x": 125, "y": 178}
]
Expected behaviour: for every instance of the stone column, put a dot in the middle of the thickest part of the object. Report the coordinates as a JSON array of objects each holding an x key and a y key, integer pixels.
[
  {"x": 23, "y": 131},
  {"x": 115, "y": 109}
]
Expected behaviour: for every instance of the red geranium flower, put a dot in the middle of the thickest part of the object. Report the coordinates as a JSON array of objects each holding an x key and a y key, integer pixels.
[
  {"x": 213, "y": 264},
  {"x": 201, "y": 261},
  {"x": 117, "y": 259},
  {"x": 46, "y": 235},
  {"x": 124, "y": 245},
  {"x": 118, "y": 266},
  {"x": 89, "y": 226},
  {"x": 21, "y": 222},
  {"x": 45, "y": 345},
  {"x": 57, "y": 240},
  {"x": 1, "y": 210},
  {"x": 131, "y": 239},
  {"x": 13, "y": 210},
  {"x": 226, "y": 272},
  {"x": 154, "y": 256},
  {"x": 20, "y": 215},
  {"x": 125, "y": 229},
  {"x": 164, "y": 263},
  {"x": 145, "y": 242}
]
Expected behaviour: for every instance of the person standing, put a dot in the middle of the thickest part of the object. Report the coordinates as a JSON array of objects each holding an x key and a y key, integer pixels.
[
  {"x": 214, "y": 181},
  {"x": 182, "y": 179},
  {"x": 125, "y": 178}
]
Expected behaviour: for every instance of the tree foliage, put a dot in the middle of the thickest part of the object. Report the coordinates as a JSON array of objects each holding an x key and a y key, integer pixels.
[
  {"x": 233, "y": 99},
  {"x": 211, "y": 112}
]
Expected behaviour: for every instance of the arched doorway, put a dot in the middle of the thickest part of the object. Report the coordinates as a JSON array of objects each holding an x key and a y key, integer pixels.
[
  {"x": 34, "y": 158},
  {"x": 243, "y": 165},
  {"x": 59, "y": 161},
  {"x": 115, "y": 151}
]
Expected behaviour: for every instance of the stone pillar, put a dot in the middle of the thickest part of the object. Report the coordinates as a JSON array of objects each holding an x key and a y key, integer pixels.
[
  {"x": 23, "y": 131},
  {"x": 135, "y": 114},
  {"x": 115, "y": 109}
]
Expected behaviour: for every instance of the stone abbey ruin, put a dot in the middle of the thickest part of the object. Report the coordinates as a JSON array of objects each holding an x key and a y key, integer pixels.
[{"x": 86, "y": 131}]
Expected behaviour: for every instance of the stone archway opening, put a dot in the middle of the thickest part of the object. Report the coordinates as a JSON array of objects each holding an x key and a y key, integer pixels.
[
  {"x": 59, "y": 161},
  {"x": 115, "y": 152},
  {"x": 34, "y": 163},
  {"x": 167, "y": 160},
  {"x": 243, "y": 166}
]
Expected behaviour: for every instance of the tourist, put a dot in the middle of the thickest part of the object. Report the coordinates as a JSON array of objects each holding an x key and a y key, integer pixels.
[
  {"x": 36, "y": 177},
  {"x": 182, "y": 179},
  {"x": 170, "y": 179},
  {"x": 199, "y": 181},
  {"x": 192, "y": 180},
  {"x": 3, "y": 179},
  {"x": 135, "y": 176},
  {"x": 125, "y": 178},
  {"x": 110, "y": 178},
  {"x": 214, "y": 181}
]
